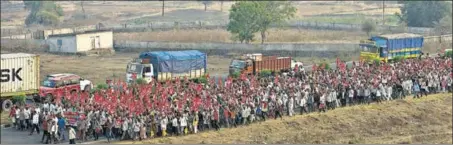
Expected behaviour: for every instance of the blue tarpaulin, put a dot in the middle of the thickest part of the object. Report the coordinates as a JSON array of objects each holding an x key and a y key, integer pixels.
[{"x": 175, "y": 61}]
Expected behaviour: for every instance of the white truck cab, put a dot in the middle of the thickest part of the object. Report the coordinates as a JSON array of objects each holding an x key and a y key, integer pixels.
[{"x": 137, "y": 69}]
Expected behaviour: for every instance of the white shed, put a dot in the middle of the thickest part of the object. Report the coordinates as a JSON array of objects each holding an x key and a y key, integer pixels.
[{"x": 80, "y": 42}]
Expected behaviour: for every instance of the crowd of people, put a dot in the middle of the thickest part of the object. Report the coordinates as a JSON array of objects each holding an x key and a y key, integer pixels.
[{"x": 183, "y": 107}]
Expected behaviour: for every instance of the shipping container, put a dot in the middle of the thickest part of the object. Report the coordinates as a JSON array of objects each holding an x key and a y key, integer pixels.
[
  {"x": 255, "y": 66},
  {"x": 19, "y": 74},
  {"x": 272, "y": 64}
]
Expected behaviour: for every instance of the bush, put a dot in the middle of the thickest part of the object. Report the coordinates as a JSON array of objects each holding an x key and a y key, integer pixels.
[
  {"x": 265, "y": 73},
  {"x": 449, "y": 54},
  {"x": 140, "y": 81},
  {"x": 19, "y": 99},
  {"x": 398, "y": 59},
  {"x": 235, "y": 75},
  {"x": 102, "y": 86},
  {"x": 201, "y": 80},
  {"x": 377, "y": 61},
  {"x": 326, "y": 65}
]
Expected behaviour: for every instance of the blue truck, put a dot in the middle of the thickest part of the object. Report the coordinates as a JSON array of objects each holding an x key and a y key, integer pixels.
[
  {"x": 387, "y": 47},
  {"x": 167, "y": 65}
]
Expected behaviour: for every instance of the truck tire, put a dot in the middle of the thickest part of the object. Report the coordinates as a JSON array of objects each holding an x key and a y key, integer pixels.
[{"x": 7, "y": 104}]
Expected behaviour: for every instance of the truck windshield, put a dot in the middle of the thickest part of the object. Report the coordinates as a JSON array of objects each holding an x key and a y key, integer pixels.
[
  {"x": 368, "y": 48},
  {"x": 137, "y": 68},
  {"x": 49, "y": 83},
  {"x": 237, "y": 64}
]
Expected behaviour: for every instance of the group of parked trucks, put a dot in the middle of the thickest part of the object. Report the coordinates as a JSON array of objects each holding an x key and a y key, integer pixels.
[{"x": 20, "y": 72}]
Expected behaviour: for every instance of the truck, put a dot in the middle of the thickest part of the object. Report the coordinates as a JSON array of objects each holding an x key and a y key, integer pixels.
[
  {"x": 255, "y": 63},
  {"x": 387, "y": 47},
  {"x": 19, "y": 77},
  {"x": 163, "y": 66}
]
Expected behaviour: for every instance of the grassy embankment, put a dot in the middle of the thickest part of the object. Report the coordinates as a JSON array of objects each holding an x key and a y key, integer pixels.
[{"x": 426, "y": 120}]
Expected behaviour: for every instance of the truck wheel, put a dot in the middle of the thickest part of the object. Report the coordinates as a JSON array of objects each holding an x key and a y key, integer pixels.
[{"x": 6, "y": 105}]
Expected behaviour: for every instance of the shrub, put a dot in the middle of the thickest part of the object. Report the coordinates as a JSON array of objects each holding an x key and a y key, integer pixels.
[
  {"x": 140, "y": 81},
  {"x": 265, "y": 73},
  {"x": 377, "y": 61},
  {"x": 102, "y": 86},
  {"x": 235, "y": 75},
  {"x": 201, "y": 80},
  {"x": 398, "y": 59},
  {"x": 19, "y": 99},
  {"x": 449, "y": 54},
  {"x": 325, "y": 64}
]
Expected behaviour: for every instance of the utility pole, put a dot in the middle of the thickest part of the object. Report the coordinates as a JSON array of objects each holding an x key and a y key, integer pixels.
[
  {"x": 383, "y": 12},
  {"x": 163, "y": 8}
]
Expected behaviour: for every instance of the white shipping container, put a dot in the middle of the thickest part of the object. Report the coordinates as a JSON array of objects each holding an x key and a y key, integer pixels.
[{"x": 19, "y": 74}]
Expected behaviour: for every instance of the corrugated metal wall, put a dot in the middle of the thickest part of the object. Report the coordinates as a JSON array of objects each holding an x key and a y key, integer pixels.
[{"x": 19, "y": 73}]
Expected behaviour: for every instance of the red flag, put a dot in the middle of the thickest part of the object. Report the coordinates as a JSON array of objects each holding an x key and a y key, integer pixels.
[
  {"x": 276, "y": 79},
  {"x": 313, "y": 67}
]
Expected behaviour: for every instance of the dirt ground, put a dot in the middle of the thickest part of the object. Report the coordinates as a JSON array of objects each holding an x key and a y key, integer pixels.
[
  {"x": 100, "y": 68},
  {"x": 420, "y": 121}
]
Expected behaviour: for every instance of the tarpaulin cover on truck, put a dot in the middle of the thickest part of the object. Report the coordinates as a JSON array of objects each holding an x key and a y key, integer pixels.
[{"x": 175, "y": 61}]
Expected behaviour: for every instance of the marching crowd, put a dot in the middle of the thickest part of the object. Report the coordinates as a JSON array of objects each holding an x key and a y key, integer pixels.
[{"x": 183, "y": 107}]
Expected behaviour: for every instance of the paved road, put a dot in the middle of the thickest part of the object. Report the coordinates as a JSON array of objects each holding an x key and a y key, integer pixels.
[{"x": 13, "y": 136}]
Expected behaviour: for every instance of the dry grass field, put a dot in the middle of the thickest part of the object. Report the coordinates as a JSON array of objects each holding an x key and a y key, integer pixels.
[
  {"x": 411, "y": 121},
  {"x": 221, "y": 35},
  {"x": 100, "y": 68},
  {"x": 127, "y": 11}
]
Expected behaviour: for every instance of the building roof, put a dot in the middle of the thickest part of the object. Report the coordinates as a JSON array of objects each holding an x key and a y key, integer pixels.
[
  {"x": 400, "y": 35},
  {"x": 16, "y": 55},
  {"x": 84, "y": 32}
]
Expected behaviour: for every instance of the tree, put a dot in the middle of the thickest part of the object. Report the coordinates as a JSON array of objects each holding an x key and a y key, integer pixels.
[
  {"x": 249, "y": 17},
  {"x": 423, "y": 13},
  {"x": 273, "y": 12},
  {"x": 206, "y": 3},
  {"x": 43, "y": 12},
  {"x": 444, "y": 25},
  {"x": 242, "y": 23},
  {"x": 368, "y": 26}
]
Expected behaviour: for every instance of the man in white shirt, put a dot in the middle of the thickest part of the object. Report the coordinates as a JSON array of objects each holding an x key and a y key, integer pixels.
[
  {"x": 45, "y": 106},
  {"x": 17, "y": 118},
  {"x": 183, "y": 121},
  {"x": 52, "y": 108},
  {"x": 27, "y": 114},
  {"x": 124, "y": 128},
  {"x": 35, "y": 122}
]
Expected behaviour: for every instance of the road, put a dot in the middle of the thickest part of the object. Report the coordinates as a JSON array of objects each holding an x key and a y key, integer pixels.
[{"x": 13, "y": 136}]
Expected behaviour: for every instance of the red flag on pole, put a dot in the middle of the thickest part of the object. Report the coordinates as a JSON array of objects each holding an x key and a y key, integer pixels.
[{"x": 276, "y": 79}]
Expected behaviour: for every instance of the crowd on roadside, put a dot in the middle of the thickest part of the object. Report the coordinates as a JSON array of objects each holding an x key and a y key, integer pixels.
[{"x": 183, "y": 107}]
